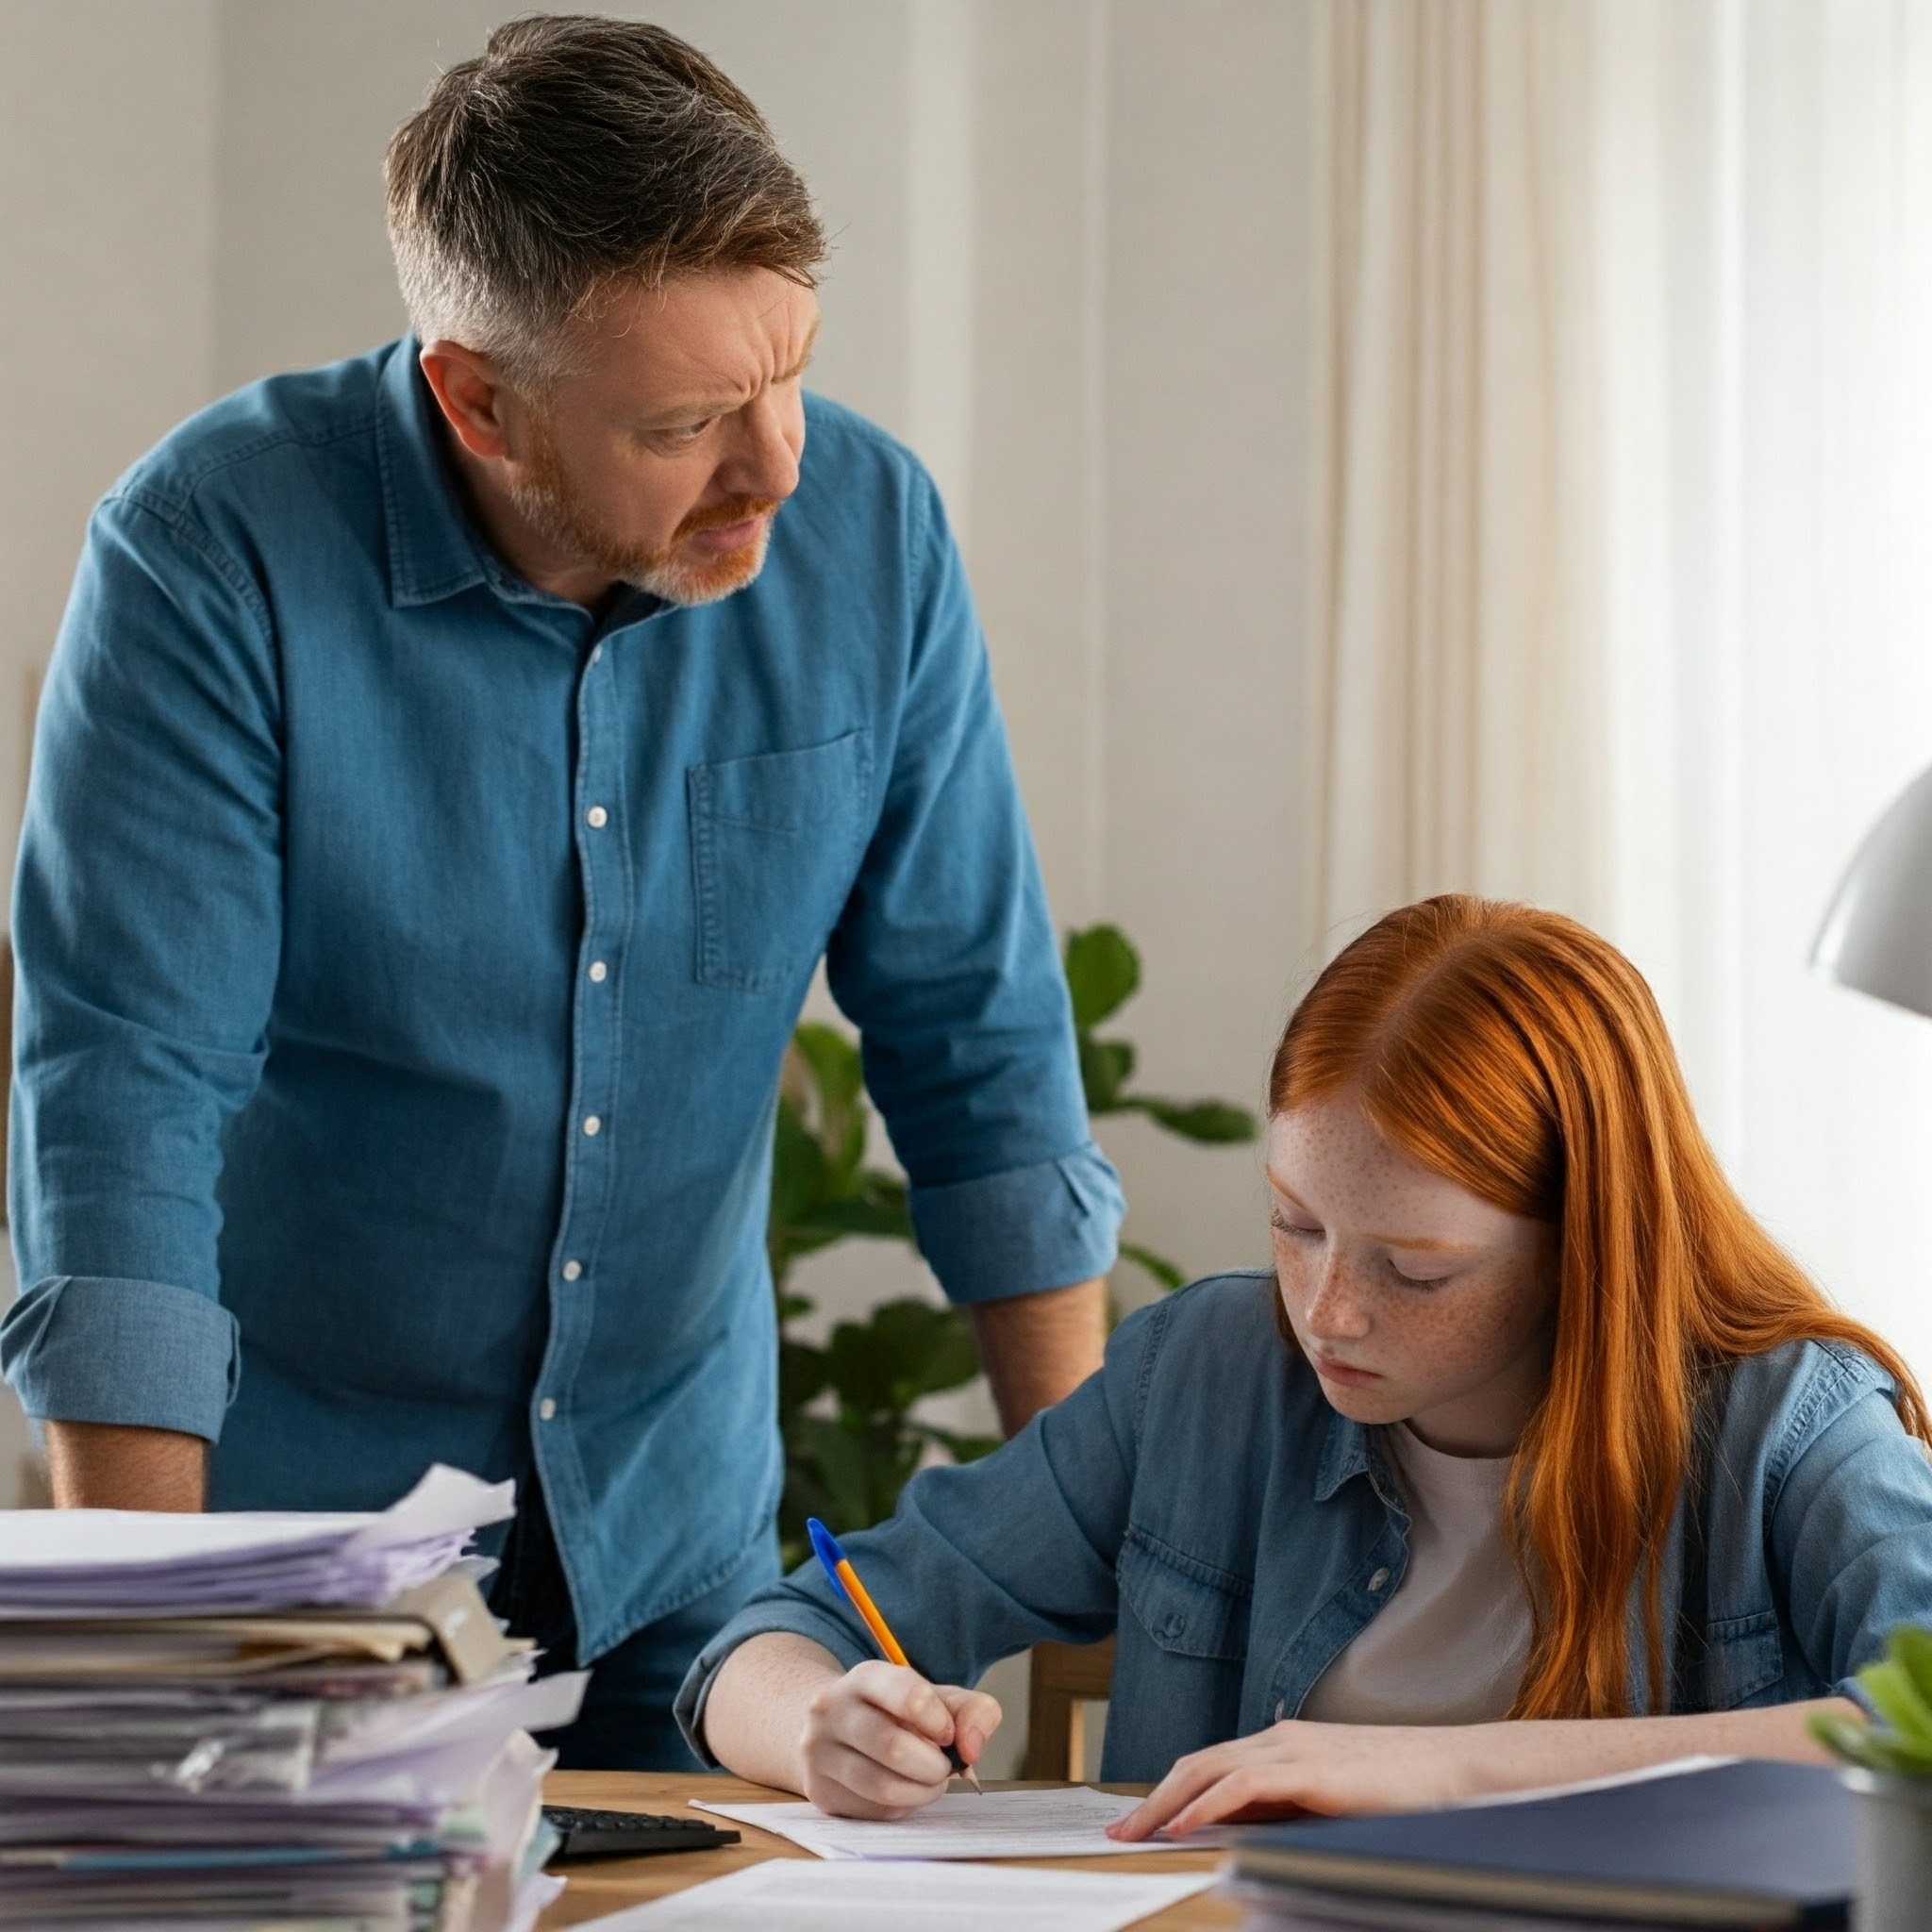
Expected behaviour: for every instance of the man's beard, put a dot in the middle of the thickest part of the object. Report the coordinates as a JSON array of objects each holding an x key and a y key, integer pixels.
[{"x": 547, "y": 500}]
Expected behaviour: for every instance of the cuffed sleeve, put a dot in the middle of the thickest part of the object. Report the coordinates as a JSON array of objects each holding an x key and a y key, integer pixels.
[
  {"x": 1016, "y": 1233},
  {"x": 89, "y": 1349},
  {"x": 980, "y": 1560}
]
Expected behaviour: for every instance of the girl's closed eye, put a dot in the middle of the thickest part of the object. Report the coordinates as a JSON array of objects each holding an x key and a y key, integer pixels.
[
  {"x": 1410, "y": 1280},
  {"x": 1295, "y": 1229}
]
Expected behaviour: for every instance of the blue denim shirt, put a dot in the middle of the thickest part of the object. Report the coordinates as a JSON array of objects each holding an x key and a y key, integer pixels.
[
  {"x": 407, "y": 958},
  {"x": 1200, "y": 1497}
]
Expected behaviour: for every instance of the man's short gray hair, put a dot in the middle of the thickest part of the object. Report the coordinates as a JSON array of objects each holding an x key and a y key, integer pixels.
[{"x": 577, "y": 153}]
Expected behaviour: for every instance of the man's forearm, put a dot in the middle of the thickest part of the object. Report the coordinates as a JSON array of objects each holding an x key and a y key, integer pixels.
[
  {"x": 1039, "y": 1347},
  {"x": 105, "y": 1466}
]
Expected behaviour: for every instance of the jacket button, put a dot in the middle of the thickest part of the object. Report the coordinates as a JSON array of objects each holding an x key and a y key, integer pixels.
[
  {"x": 1175, "y": 1624},
  {"x": 1377, "y": 1581},
  {"x": 1281, "y": 1711}
]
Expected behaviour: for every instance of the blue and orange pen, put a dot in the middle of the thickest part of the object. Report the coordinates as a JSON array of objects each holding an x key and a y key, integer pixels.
[{"x": 837, "y": 1566}]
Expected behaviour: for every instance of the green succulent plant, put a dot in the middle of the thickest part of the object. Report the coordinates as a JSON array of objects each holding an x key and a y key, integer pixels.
[
  {"x": 1899, "y": 1739},
  {"x": 846, "y": 1407}
]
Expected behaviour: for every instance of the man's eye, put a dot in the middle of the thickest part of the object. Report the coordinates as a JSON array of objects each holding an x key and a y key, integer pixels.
[{"x": 685, "y": 432}]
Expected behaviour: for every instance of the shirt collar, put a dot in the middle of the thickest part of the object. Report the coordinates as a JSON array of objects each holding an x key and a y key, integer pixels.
[
  {"x": 433, "y": 550},
  {"x": 1351, "y": 1449}
]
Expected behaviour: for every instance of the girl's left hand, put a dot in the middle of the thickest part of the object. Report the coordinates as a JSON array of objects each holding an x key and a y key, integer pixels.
[{"x": 1295, "y": 1766}]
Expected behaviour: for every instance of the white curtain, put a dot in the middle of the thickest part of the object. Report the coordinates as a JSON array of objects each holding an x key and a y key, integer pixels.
[
  {"x": 1627, "y": 597},
  {"x": 1459, "y": 685}
]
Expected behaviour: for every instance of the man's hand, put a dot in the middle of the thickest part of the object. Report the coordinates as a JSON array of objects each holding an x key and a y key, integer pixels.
[
  {"x": 106, "y": 1466},
  {"x": 875, "y": 1740},
  {"x": 1039, "y": 1347}
]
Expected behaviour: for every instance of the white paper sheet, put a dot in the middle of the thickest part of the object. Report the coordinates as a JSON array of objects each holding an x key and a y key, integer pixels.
[
  {"x": 1061, "y": 1824},
  {"x": 790, "y": 1895},
  {"x": 62, "y": 1563}
]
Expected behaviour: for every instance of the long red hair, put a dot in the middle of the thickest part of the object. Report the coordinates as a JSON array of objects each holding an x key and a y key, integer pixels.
[{"x": 1518, "y": 1055}]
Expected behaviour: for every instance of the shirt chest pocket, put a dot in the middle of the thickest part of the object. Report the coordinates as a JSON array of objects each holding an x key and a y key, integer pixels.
[
  {"x": 775, "y": 842},
  {"x": 1743, "y": 1657},
  {"x": 1188, "y": 1607}
]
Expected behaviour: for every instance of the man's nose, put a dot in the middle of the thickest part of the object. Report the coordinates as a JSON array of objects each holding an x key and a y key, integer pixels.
[{"x": 765, "y": 458}]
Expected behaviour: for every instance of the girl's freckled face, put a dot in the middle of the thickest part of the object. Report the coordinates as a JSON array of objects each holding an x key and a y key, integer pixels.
[{"x": 1413, "y": 1299}]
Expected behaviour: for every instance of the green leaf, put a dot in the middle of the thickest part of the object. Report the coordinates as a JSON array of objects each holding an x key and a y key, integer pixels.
[
  {"x": 1896, "y": 1699},
  {"x": 1213, "y": 1122},
  {"x": 1163, "y": 1270},
  {"x": 824, "y": 1079},
  {"x": 798, "y": 1167},
  {"x": 1859, "y": 1742},
  {"x": 1103, "y": 972},
  {"x": 1106, "y": 1066},
  {"x": 793, "y": 1307},
  {"x": 843, "y": 1477},
  {"x": 905, "y": 1349},
  {"x": 1911, "y": 1646},
  {"x": 880, "y": 1211},
  {"x": 836, "y": 1068},
  {"x": 803, "y": 1374}
]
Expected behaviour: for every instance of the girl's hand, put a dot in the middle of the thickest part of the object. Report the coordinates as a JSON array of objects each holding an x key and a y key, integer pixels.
[
  {"x": 875, "y": 1740},
  {"x": 1294, "y": 1768}
]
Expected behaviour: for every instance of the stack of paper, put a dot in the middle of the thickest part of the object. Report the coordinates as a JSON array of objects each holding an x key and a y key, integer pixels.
[{"x": 268, "y": 1721}]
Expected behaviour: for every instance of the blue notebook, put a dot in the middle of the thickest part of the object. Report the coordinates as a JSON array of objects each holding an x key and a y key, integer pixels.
[{"x": 1748, "y": 1843}]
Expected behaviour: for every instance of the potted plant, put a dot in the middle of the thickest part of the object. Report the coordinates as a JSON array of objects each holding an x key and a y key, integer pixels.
[
  {"x": 848, "y": 1408},
  {"x": 1888, "y": 1763}
]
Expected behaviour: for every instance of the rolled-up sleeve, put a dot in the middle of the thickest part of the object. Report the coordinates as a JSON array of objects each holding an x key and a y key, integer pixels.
[
  {"x": 1038, "y": 1226},
  {"x": 147, "y": 925},
  {"x": 89, "y": 1350},
  {"x": 946, "y": 960},
  {"x": 980, "y": 1560}
]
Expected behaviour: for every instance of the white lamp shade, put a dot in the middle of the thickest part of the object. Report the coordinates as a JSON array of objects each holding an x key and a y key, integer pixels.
[{"x": 1877, "y": 936}]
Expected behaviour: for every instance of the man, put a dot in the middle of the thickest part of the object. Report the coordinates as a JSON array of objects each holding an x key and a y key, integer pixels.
[{"x": 454, "y": 764}]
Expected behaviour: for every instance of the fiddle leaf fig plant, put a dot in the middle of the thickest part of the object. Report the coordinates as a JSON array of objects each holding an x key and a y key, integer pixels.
[{"x": 847, "y": 1406}]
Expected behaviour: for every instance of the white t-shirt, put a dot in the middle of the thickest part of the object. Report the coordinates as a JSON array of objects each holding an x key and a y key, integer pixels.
[{"x": 1449, "y": 1646}]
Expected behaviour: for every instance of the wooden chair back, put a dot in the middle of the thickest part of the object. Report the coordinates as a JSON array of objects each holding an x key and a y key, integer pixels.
[{"x": 1064, "y": 1678}]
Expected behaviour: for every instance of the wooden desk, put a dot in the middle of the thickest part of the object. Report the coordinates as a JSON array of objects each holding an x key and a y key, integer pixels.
[{"x": 609, "y": 1884}]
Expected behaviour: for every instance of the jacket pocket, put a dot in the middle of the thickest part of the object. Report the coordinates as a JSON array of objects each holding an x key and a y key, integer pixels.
[
  {"x": 774, "y": 843},
  {"x": 1190, "y": 1608},
  {"x": 1743, "y": 1657}
]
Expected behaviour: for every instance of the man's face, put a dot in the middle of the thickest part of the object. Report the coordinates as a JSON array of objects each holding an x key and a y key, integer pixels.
[{"x": 663, "y": 462}]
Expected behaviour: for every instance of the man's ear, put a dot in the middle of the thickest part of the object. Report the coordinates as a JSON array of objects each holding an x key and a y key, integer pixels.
[{"x": 472, "y": 394}]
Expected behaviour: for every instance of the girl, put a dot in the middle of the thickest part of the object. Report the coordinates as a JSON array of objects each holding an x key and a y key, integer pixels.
[{"x": 1533, "y": 1458}]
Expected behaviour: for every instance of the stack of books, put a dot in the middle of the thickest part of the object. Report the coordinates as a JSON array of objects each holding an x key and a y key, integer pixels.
[
  {"x": 1734, "y": 1842},
  {"x": 268, "y": 1721}
]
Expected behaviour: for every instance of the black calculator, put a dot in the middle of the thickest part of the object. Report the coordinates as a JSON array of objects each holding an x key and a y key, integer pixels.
[{"x": 629, "y": 1834}]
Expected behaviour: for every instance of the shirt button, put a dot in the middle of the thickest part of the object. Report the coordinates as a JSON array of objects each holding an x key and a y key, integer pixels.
[
  {"x": 1281, "y": 1711},
  {"x": 546, "y": 1410},
  {"x": 593, "y": 1125},
  {"x": 597, "y": 653},
  {"x": 1377, "y": 1581},
  {"x": 598, "y": 817},
  {"x": 572, "y": 1270},
  {"x": 598, "y": 971}
]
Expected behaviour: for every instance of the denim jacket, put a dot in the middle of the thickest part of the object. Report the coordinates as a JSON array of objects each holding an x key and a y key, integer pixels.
[{"x": 1201, "y": 1498}]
